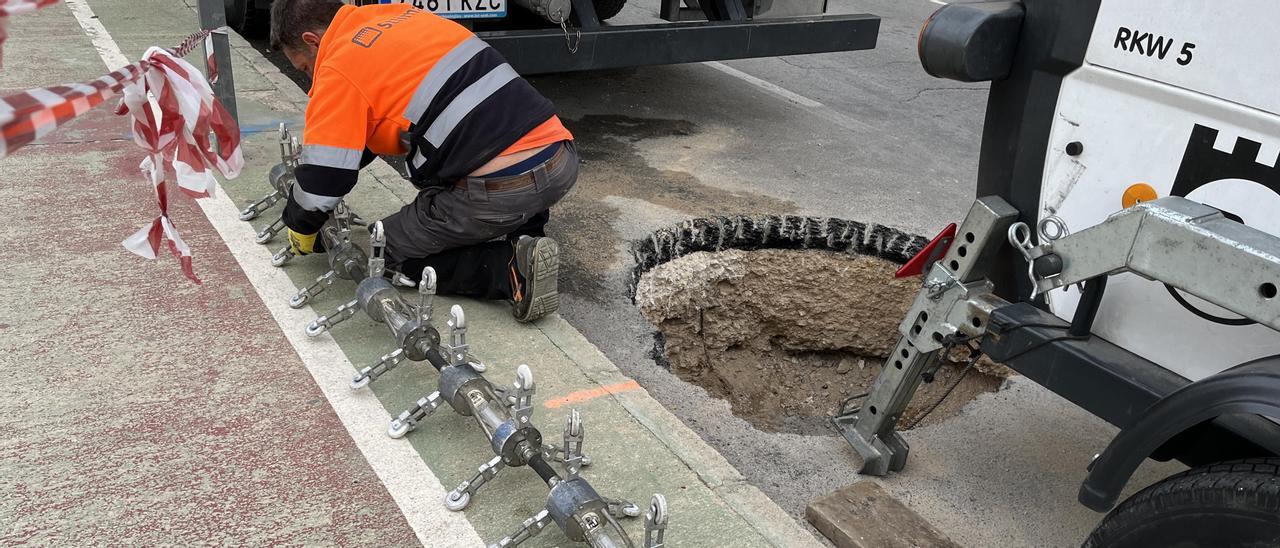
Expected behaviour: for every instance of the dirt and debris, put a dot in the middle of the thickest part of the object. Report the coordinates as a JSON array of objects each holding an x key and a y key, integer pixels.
[
  {"x": 613, "y": 167},
  {"x": 786, "y": 335}
]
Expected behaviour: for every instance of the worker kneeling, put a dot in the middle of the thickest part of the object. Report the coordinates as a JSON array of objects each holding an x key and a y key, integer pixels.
[{"x": 485, "y": 149}]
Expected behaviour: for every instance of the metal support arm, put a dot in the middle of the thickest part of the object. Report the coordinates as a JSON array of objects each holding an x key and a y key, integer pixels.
[
  {"x": 1171, "y": 240},
  {"x": 1184, "y": 244}
]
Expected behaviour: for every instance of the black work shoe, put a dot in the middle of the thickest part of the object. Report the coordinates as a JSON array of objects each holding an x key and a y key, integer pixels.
[{"x": 534, "y": 278}]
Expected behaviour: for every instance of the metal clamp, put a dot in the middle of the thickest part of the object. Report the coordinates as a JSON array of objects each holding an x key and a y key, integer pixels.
[
  {"x": 522, "y": 396},
  {"x": 620, "y": 508},
  {"x": 1020, "y": 239},
  {"x": 426, "y": 295},
  {"x": 529, "y": 529},
  {"x": 386, "y": 363},
  {"x": 457, "y": 346},
  {"x": 317, "y": 287},
  {"x": 458, "y": 499},
  {"x": 377, "y": 248},
  {"x": 281, "y": 257},
  {"x": 1049, "y": 229},
  {"x": 326, "y": 322},
  {"x": 269, "y": 232},
  {"x": 574, "y": 433},
  {"x": 408, "y": 420}
]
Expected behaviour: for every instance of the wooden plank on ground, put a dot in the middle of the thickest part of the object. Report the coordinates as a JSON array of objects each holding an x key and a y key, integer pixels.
[{"x": 863, "y": 515}]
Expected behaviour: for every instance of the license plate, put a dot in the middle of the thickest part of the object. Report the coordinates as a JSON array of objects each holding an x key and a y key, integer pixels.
[{"x": 459, "y": 9}]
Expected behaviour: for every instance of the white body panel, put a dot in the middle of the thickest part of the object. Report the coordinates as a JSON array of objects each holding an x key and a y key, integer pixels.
[{"x": 1135, "y": 115}]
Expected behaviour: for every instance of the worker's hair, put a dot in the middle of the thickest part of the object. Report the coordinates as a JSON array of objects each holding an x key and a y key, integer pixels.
[{"x": 291, "y": 18}]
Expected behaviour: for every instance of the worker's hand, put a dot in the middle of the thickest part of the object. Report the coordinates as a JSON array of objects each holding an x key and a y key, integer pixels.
[{"x": 305, "y": 244}]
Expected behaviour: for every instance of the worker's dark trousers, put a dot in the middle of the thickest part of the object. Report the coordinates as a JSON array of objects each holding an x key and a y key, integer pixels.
[{"x": 466, "y": 231}]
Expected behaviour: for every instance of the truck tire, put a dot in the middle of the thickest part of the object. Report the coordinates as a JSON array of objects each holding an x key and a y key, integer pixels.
[
  {"x": 246, "y": 18},
  {"x": 607, "y": 8},
  {"x": 1227, "y": 504}
]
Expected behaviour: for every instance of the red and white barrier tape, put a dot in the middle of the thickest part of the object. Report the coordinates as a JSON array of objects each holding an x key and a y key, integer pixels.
[{"x": 173, "y": 111}]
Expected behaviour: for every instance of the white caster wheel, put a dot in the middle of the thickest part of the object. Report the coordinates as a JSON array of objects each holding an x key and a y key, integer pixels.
[
  {"x": 630, "y": 510},
  {"x": 279, "y": 259},
  {"x": 314, "y": 329},
  {"x": 249, "y": 215},
  {"x": 402, "y": 281},
  {"x": 398, "y": 429},
  {"x": 478, "y": 366},
  {"x": 658, "y": 509},
  {"x": 299, "y": 300},
  {"x": 586, "y": 461},
  {"x": 456, "y": 502},
  {"x": 359, "y": 381},
  {"x": 264, "y": 237}
]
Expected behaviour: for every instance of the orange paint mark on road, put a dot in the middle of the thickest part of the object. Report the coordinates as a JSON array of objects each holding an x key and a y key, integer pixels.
[{"x": 591, "y": 394}]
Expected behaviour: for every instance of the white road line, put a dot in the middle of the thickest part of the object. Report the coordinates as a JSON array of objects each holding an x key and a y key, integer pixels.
[
  {"x": 939, "y": 2},
  {"x": 767, "y": 86},
  {"x": 412, "y": 485},
  {"x": 817, "y": 108}
]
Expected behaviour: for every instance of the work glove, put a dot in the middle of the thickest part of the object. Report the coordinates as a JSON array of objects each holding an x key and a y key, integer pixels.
[{"x": 305, "y": 244}]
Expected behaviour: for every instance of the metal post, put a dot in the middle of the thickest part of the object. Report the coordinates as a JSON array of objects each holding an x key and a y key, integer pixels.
[{"x": 213, "y": 16}]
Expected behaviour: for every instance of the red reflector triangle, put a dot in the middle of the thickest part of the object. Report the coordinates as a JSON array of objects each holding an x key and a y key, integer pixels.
[{"x": 930, "y": 254}]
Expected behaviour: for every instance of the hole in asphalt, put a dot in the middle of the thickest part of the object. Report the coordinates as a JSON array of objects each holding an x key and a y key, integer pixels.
[{"x": 785, "y": 335}]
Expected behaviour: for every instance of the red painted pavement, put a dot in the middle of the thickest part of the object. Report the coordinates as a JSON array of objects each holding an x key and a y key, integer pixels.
[{"x": 142, "y": 409}]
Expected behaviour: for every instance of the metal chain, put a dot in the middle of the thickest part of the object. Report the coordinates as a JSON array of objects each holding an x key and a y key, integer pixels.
[{"x": 577, "y": 34}]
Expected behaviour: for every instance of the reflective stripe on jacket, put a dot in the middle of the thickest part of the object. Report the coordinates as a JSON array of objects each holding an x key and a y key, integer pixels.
[{"x": 387, "y": 72}]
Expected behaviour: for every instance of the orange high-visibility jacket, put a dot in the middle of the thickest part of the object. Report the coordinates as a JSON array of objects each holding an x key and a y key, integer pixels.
[{"x": 390, "y": 74}]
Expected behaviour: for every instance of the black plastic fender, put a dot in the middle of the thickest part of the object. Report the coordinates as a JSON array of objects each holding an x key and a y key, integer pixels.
[{"x": 1249, "y": 389}]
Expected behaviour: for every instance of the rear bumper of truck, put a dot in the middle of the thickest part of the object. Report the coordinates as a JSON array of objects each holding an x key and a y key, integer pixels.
[{"x": 607, "y": 47}]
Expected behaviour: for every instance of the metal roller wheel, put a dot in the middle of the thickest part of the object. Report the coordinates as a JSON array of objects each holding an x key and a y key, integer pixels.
[
  {"x": 279, "y": 259},
  {"x": 248, "y": 214},
  {"x": 298, "y": 301},
  {"x": 524, "y": 377},
  {"x": 573, "y": 426},
  {"x": 658, "y": 508},
  {"x": 263, "y": 237},
  {"x": 314, "y": 329},
  {"x": 359, "y": 381},
  {"x": 397, "y": 430},
  {"x": 459, "y": 504}
]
